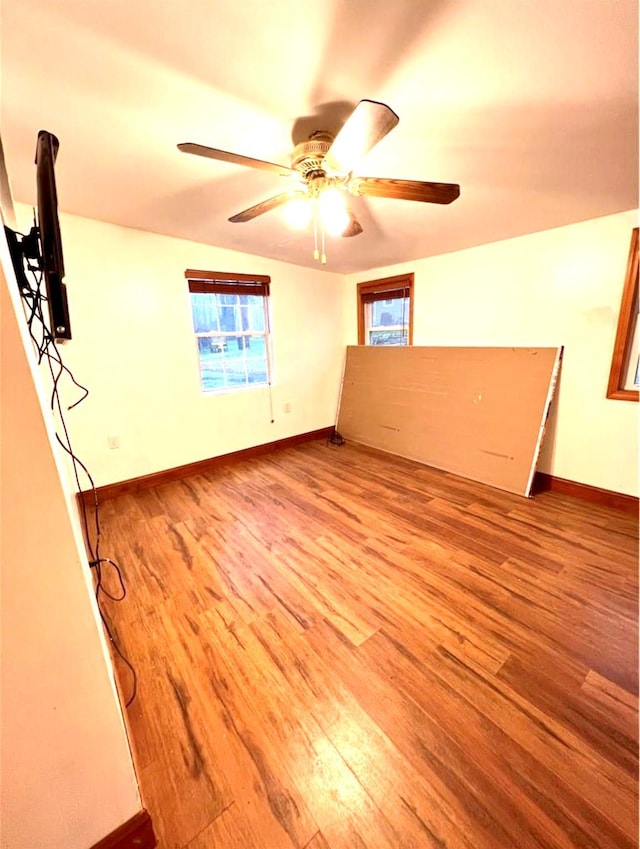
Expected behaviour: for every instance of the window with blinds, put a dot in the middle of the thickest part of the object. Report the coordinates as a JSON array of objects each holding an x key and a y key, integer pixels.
[
  {"x": 385, "y": 311},
  {"x": 230, "y": 314}
]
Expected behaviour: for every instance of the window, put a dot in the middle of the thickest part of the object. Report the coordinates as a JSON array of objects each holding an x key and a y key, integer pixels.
[
  {"x": 231, "y": 325},
  {"x": 385, "y": 311},
  {"x": 624, "y": 378}
]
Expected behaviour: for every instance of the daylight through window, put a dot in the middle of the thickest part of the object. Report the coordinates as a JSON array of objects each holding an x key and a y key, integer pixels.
[
  {"x": 385, "y": 311},
  {"x": 230, "y": 315}
]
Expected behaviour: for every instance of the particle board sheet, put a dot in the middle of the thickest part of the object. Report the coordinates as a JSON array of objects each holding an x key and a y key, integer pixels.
[{"x": 476, "y": 412}]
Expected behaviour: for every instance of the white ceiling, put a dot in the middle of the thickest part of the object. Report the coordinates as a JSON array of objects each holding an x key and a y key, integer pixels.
[{"x": 531, "y": 105}]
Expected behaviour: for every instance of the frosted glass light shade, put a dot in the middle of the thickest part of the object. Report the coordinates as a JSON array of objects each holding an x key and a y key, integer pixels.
[
  {"x": 333, "y": 211},
  {"x": 297, "y": 213}
]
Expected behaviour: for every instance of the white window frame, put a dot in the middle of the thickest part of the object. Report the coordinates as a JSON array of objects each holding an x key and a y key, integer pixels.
[
  {"x": 387, "y": 289},
  {"x": 223, "y": 283}
]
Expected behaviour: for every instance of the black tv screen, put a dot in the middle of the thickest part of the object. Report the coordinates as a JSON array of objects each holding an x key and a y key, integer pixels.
[{"x": 50, "y": 241}]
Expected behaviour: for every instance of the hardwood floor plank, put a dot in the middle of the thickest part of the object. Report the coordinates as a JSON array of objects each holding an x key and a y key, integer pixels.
[
  {"x": 421, "y": 816},
  {"x": 601, "y": 730},
  {"x": 620, "y": 706},
  {"x": 246, "y": 824},
  {"x": 279, "y": 734},
  {"x": 174, "y": 736},
  {"x": 487, "y": 805},
  {"x": 317, "y": 842},
  {"x": 495, "y": 777},
  {"x": 532, "y": 731},
  {"x": 339, "y": 649}
]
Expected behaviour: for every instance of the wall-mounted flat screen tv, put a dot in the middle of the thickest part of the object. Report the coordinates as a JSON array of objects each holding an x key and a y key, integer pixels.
[{"x": 50, "y": 241}]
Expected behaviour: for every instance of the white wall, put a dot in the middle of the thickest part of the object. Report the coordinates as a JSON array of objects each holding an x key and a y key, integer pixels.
[
  {"x": 133, "y": 346},
  {"x": 133, "y": 343},
  {"x": 67, "y": 773},
  {"x": 557, "y": 287}
]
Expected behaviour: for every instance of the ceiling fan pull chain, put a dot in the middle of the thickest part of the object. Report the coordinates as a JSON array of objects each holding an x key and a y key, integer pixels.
[
  {"x": 316, "y": 252},
  {"x": 324, "y": 256}
]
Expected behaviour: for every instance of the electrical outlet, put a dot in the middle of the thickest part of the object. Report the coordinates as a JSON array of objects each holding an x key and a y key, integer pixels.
[
  {"x": 287, "y": 406},
  {"x": 114, "y": 441}
]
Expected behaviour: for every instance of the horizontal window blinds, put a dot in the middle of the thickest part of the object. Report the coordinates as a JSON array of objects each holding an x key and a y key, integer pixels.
[
  {"x": 386, "y": 295},
  {"x": 386, "y": 289},
  {"x": 224, "y": 283}
]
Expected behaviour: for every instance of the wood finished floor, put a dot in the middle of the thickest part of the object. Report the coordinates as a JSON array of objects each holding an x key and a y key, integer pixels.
[{"x": 339, "y": 649}]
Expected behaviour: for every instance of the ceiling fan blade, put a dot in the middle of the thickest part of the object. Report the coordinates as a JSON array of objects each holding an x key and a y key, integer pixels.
[
  {"x": 235, "y": 158},
  {"x": 353, "y": 228},
  {"x": 379, "y": 187},
  {"x": 365, "y": 127},
  {"x": 265, "y": 206}
]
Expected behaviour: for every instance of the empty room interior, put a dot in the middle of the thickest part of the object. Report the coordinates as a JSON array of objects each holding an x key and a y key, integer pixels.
[{"x": 320, "y": 382}]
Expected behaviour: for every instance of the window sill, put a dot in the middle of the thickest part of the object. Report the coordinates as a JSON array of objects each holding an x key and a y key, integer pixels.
[
  {"x": 231, "y": 390},
  {"x": 624, "y": 395}
]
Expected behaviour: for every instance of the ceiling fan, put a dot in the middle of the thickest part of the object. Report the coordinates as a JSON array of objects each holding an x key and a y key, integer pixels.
[{"x": 322, "y": 168}]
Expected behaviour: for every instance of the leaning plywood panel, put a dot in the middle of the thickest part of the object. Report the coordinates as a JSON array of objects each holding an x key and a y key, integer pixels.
[{"x": 476, "y": 412}]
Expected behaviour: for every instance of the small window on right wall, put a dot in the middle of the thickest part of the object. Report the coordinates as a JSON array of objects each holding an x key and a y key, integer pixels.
[
  {"x": 624, "y": 378},
  {"x": 385, "y": 311}
]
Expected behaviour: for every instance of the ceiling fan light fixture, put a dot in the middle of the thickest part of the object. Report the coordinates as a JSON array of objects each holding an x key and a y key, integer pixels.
[
  {"x": 297, "y": 213},
  {"x": 322, "y": 170},
  {"x": 333, "y": 211}
]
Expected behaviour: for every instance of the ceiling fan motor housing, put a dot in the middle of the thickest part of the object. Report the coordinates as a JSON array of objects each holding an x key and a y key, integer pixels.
[{"x": 308, "y": 156}]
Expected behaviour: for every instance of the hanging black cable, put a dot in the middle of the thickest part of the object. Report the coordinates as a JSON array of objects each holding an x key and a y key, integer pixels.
[{"x": 47, "y": 350}]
